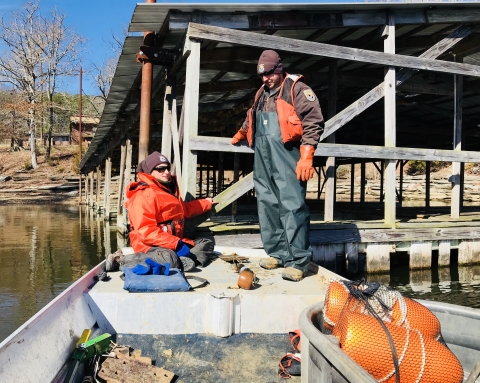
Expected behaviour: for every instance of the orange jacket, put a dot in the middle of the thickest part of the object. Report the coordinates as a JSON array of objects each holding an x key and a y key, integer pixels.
[
  {"x": 290, "y": 124},
  {"x": 157, "y": 217}
]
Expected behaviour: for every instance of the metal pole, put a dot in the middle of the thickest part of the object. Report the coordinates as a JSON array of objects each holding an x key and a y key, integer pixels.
[
  {"x": 146, "y": 98},
  {"x": 80, "y": 137}
]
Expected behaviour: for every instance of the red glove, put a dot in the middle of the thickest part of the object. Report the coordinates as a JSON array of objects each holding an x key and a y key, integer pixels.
[
  {"x": 304, "y": 168},
  {"x": 240, "y": 135}
]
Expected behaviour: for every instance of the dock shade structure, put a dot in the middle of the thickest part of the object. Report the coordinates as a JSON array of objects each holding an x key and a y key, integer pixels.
[{"x": 396, "y": 82}]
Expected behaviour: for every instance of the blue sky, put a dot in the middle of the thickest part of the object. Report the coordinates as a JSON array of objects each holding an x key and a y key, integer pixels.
[{"x": 95, "y": 20}]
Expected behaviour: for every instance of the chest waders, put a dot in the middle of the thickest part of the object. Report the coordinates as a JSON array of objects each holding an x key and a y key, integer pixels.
[{"x": 284, "y": 216}]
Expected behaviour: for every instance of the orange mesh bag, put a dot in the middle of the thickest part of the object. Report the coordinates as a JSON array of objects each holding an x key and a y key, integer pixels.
[
  {"x": 397, "y": 310},
  {"x": 419, "y": 359}
]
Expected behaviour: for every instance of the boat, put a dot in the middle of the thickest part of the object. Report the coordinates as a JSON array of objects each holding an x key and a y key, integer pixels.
[
  {"x": 324, "y": 361},
  {"x": 229, "y": 335},
  {"x": 216, "y": 333}
]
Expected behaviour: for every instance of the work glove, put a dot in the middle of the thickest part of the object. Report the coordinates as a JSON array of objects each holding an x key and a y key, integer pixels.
[
  {"x": 182, "y": 249},
  {"x": 240, "y": 135},
  {"x": 156, "y": 267},
  {"x": 142, "y": 270},
  {"x": 202, "y": 250},
  {"x": 304, "y": 168}
]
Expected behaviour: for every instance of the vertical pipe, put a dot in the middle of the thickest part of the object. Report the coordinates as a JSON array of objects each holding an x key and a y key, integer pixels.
[{"x": 146, "y": 97}]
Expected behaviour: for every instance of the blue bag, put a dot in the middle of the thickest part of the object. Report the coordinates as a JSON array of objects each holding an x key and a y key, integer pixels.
[{"x": 174, "y": 281}]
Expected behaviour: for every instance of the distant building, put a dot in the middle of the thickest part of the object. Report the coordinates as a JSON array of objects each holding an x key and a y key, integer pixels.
[{"x": 89, "y": 126}]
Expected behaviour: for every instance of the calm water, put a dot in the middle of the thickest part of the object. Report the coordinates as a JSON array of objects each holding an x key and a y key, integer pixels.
[{"x": 43, "y": 250}]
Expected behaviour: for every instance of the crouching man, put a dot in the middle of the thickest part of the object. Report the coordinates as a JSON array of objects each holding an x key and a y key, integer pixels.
[{"x": 157, "y": 214}]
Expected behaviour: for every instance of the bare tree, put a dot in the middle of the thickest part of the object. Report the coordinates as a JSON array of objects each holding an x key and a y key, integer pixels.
[
  {"x": 103, "y": 75},
  {"x": 19, "y": 65},
  {"x": 60, "y": 48}
]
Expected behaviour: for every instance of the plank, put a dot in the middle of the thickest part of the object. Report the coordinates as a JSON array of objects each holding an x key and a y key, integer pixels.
[
  {"x": 390, "y": 124},
  {"x": 331, "y": 173},
  {"x": 377, "y": 93},
  {"x": 326, "y": 50},
  {"x": 457, "y": 144},
  {"x": 222, "y": 144},
  {"x": 190, "y": 122}
]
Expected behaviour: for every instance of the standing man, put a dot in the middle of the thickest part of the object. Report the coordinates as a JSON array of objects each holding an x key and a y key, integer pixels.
[{"x": 284, "y": 125}]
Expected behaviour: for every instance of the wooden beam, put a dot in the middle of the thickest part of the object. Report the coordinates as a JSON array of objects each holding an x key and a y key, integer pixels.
[
  {"x": 325, "y": 50},
  {"x": 377, "y": 93},
  {"x": 307, "y": 18},
  {"x": 167, "y": 123},
  {"x": 121, "y": 179},
  {"x": 457, "y": 144},
  {"x": 390, "y": 124},
  {"x": 222, "y": 144},
  {"x": 106, "y": 191},
  {"x": 190, "y": 123},
  {"x": 331, "y": 171}
]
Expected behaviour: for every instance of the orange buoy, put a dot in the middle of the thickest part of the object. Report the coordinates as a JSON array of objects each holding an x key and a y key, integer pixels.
[
  {"x": 405, "y": 312},
  {"x": 421, "y": 359}
]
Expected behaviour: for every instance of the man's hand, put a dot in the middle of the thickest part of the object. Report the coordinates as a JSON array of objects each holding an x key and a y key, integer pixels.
[
  {"x": 240, "y": 135},
  {"x": 304, "y": 168}
]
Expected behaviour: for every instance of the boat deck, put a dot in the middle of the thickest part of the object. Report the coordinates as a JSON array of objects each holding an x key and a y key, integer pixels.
[{"x": 221, "y": 308}]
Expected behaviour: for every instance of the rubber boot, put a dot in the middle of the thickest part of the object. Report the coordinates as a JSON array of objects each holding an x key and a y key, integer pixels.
[{"x": 292, "y": 274}]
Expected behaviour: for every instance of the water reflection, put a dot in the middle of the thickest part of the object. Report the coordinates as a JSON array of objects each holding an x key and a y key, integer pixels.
[
  {"x": 455, "y": 284},
  {"x": 43, "y": 250}
]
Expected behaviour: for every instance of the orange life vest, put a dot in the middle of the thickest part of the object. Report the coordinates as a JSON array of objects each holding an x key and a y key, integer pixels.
[{"x": 290, "y": 124}]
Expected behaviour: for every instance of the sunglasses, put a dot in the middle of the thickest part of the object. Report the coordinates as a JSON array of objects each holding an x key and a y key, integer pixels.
[{"x": 161, "y": 169}]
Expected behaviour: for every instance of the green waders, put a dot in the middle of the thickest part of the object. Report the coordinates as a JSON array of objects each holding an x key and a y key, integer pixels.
[{"x": 283, "y": 214}]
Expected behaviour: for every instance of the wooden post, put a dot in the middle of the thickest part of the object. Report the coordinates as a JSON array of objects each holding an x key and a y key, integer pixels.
[
  {"x": 401, "y": 184},
  {"x": 97, "y": 192},
  {"x": 351, "y": 254},
  {"x": 220, "y": 172},
  {"x": 92, "y": 203},
  {"x": 420, "y": 255},
  {"x": 87, "y": 202},
  {"x": 444, "y": 248},
  {"x": 167, "y": 123},
  {"x": 457, "y": 141},
  {"x": 363, "y": 180},
  {"x": 390, "y": 123},
  {"x": 108, "y": 178},
  {"x": 427, "y": 183},
  {"x": 190, "y": 100},
  {"x": 236, "y": 168},
  {"x": 121, "y": 184},
  {"x": 176, "y": 143},
  {"x": 352, "y": 183},
  {"x": 378, "y": 257},
  {"x": 128, "y": 164},
  {"x": 330, "y": 163}
]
